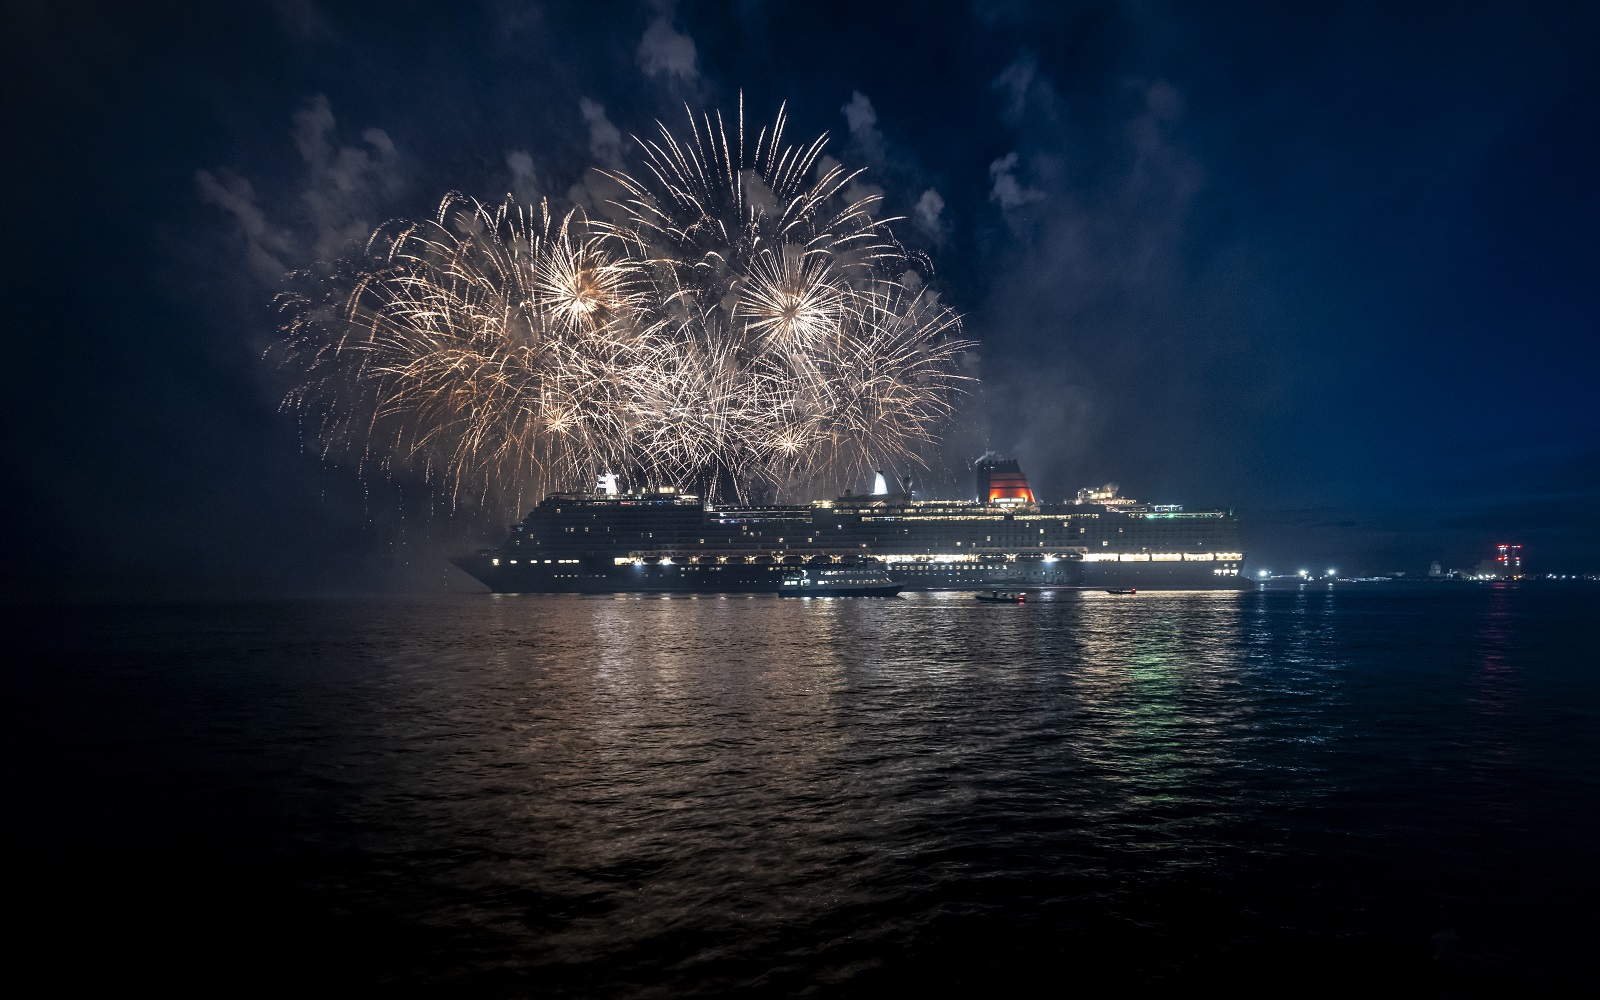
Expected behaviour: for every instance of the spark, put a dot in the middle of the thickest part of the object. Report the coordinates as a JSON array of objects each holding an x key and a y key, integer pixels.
[{"x": 739, "y": 320}]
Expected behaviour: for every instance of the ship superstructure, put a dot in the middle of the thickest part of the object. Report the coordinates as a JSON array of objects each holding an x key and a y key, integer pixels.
[{"x": 600, "y": 542}]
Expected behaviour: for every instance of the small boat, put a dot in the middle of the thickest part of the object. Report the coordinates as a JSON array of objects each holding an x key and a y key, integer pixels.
[
  {"x": 1124, "y": 590},
  {"x": 839, "y": 583},
  {"x": 1001, "y": 597}
]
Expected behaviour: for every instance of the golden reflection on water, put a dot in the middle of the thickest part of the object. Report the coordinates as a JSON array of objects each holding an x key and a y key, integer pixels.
[
  {"x": 707, "y": 720},
  {"x": 767, "y": 745},
  {"x": 580, "y": 779}
]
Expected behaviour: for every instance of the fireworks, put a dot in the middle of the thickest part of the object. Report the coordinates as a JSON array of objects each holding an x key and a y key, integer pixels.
[{"x": 738, "y": 322}]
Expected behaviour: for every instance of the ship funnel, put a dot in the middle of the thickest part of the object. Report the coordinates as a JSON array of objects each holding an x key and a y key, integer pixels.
[
  {"x": 880, "y": 485},
  {"x": 1000, "y": 480}
]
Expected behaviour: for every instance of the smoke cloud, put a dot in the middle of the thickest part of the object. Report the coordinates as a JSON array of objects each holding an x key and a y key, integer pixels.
[
  {"x": 863, "y": 121},
  {"x": 267, "y": 246},
  {"x": 302, "y": 19},
  {"x": 524, "y": 178},
  {"x": 1097, "y": 293},
  {"x": 342, "y": 193},
  {"x": 605, "y": 139},
  {"x": 928, "y": 215},
  {"x": 1007, "y": 191},
  {"x": 665, "y": 51}
]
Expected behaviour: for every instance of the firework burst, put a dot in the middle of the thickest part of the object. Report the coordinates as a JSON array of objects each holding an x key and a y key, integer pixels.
[{"x": 741, "y": 321}]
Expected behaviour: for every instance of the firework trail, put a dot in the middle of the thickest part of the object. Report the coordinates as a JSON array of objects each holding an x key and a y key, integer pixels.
[{"x": 738, "y": 323}]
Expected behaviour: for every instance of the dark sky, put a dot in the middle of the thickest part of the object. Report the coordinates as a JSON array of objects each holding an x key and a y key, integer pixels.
[{"x": 1335, "y": 268}]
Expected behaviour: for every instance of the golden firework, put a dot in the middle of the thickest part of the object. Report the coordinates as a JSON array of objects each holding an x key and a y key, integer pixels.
[{"x": 741, "y": 321}]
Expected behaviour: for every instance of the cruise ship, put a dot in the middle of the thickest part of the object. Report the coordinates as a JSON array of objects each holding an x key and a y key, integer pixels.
[{"x": 606, "y": 541}]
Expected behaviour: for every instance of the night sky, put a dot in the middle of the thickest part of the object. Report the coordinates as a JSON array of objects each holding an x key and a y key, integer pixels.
[{"x": 1335, "y": 269}]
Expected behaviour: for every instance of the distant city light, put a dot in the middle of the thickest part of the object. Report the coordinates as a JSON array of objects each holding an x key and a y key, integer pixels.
[{"x": 1333, "y": 572}]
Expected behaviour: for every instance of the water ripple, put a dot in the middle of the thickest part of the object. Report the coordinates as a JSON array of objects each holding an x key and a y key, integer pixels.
[{"x": 645, "y": 796}]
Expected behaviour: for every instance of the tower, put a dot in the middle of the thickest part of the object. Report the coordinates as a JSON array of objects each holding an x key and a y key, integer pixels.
[{"x": 1508, "y": 560}]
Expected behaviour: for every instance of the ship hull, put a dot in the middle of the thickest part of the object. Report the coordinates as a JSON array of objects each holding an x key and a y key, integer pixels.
[
  {"x": 598, "y": 578},
  {"x": 1158, "y": 576},
  {"x": 536, "y": 578},
  {"x": 886, "y": 590}
]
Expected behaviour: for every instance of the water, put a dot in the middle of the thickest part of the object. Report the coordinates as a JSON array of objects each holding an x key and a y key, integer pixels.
[{"x": 647, "y": 796}]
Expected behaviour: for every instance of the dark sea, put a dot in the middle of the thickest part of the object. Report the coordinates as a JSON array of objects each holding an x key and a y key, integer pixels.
[{"x": 628, "y": 796}]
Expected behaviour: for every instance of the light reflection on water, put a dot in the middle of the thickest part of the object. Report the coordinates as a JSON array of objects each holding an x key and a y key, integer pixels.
[{"x": 600, "y": 794}]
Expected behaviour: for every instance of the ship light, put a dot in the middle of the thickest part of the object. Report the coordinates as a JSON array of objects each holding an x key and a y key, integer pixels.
[
  {"x": 1264, "y": 574},
  {"x": 494, "y": 562}
]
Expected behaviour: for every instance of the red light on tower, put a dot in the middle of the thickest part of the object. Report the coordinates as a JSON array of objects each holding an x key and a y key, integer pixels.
[{"x": 1509, "y": 559}]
